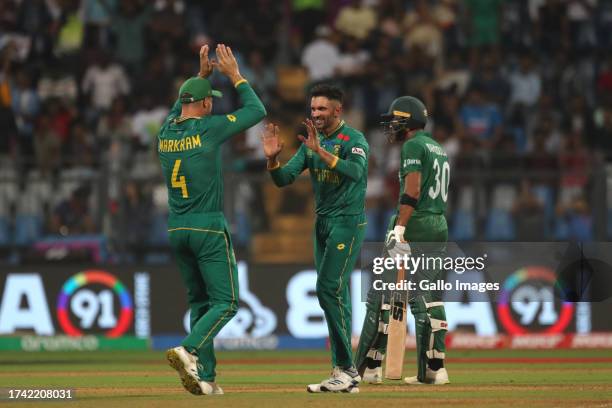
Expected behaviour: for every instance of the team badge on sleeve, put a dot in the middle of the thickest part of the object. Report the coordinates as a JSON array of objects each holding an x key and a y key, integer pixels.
[
  {"x": 231, "y": 118},
  {"x": 359, "y": 151}
]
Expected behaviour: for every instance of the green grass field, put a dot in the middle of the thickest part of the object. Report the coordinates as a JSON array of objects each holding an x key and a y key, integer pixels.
[{"x": 269, "y": 379}]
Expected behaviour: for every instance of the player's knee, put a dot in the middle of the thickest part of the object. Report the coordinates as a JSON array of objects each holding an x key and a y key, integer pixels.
[
  {"x": 228, "y": 310},
  {"x": 437, "y": 312},
  {"x": 232, "y": 309}
]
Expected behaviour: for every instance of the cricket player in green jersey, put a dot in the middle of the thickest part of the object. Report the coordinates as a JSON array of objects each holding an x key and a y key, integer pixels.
[
  {"x": 420, "y": 229},
  {"x": 189, "y": 146},
  {"x": 336, "y": 156}
]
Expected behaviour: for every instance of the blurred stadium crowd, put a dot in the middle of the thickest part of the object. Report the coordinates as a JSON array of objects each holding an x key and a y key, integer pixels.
[{"x": 519, "y": 93}]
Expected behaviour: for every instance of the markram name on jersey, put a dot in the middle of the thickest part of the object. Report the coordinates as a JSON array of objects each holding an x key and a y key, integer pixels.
[{"x": 179, "y": 145}]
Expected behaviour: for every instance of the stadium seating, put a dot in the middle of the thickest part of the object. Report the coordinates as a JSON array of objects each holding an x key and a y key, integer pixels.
[
  {"x": 463, "y": 226},
  {"x": 8, "y": 194},
  {"x": 545, "y": 194},
  {"x": 499, "y": 226},
  {"x": 28, "y": 228},
  {"x": 609, "y": 223},
  {"x": 5, "y": 233}
]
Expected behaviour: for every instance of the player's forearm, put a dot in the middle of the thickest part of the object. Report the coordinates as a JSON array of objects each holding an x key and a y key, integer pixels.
[
  {"x": 327, "y": 157},
  {"x": 405, "y": 212},
  {"x": 236, "y": 78},
  {"x": 252, "y": 110},
  {"x": 352, "y": 170},
  {"x": 273, "y": 163},
  {"x": 281, "y": 176},
  {"x": 251, "y": 113},
  {"x": 410, "y": 197},
  {"x": 285, "y": 175}
]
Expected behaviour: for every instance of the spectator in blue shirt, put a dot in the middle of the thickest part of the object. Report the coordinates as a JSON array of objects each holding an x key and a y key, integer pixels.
[{"x": 481, "y": 119}]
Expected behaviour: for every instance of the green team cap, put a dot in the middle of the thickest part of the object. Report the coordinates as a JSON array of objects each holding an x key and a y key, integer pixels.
[{"x": 195, "y": 89}]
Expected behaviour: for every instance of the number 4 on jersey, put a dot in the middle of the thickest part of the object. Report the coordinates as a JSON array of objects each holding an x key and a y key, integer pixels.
[{"x": 179, "y": 182}]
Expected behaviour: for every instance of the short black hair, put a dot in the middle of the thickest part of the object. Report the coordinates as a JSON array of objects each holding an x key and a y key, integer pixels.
[{"x": 329, "y": 91}]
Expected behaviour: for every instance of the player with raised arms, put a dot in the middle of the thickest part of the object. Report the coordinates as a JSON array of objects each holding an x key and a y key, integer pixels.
[
  {"x": 189, "y": 146},
  {"x": 336, "y": 156},
  {"x": 418, "y": 228}
]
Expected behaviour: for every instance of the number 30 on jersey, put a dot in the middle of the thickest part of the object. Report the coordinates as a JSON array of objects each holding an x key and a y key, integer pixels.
[{"x": 442, "y": 179}]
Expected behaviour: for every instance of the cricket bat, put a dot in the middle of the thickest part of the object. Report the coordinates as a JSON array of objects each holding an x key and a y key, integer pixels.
[{"x": 396, "y": 340}]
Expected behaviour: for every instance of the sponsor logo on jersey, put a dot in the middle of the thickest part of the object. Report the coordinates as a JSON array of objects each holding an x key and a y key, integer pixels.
[
  {"x": 359, "y": 151},
  {"x": 231, "y": 118},
  {"x": 344, "y": 137},
  {"x": 412, "y": 162}
]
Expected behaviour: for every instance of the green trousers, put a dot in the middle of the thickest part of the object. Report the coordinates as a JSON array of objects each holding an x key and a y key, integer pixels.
[
  {"x": 337, "y": 242},
  {"x": 203, "y": 250}
]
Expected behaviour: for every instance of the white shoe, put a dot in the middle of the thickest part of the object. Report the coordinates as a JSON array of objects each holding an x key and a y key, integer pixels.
[
  {"x": 438, "y": 377},
  {"x": 413, "y": 381},
  {"x": 210, "y": 388},
  {"x": 317, "y": 388},
  {"x": 340, "y": 381},
  {"x": 373, "y": 375},
  {"x": 185, "y": 364}
]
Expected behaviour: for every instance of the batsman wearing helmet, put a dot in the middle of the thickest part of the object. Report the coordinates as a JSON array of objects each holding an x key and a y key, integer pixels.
[
  {"x": 189, "y": 146},
  {"x": 419, "y": 229}
]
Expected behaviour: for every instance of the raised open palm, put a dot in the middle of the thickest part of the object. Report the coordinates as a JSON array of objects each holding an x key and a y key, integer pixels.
[{"x": 272, "y": 144}]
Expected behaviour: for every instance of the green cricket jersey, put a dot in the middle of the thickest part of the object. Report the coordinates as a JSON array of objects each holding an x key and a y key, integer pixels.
[
  {"x": 190, "y": 153},
  {"x": 338, "y": 191},
  {"x": 423, "y": 154}
]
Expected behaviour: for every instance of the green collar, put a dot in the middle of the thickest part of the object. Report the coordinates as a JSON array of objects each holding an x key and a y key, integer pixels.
[
  {"x": 184, "y": 118},
  {"x": 423, "y": 133}
]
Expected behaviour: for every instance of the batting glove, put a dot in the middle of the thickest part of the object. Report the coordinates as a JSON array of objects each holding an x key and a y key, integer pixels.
[{"x": 395, "y": 243}]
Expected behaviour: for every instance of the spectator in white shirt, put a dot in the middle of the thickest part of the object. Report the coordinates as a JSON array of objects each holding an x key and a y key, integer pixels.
[
  {"x": 525, "y": 84},
  {"x": 104, "y": 81},
  {"x": 321, "y": 56},
  {"x": 147, "y": 121},
  {"x": 353, "y": 59},
  {"x": 581, "y": 15}
]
